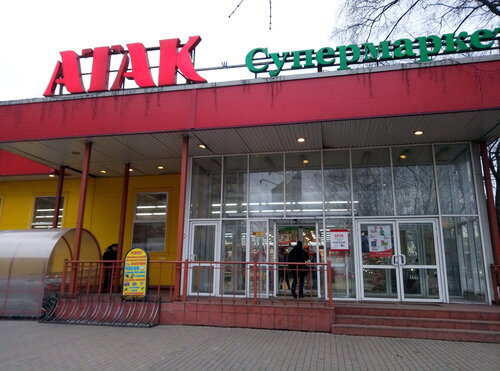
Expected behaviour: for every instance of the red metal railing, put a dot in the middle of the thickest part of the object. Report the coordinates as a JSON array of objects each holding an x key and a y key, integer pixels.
[{"x": 208, "y": 280}]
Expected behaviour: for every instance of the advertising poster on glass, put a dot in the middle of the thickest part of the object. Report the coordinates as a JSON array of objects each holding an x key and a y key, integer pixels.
[{"x": 380, "y": 241}]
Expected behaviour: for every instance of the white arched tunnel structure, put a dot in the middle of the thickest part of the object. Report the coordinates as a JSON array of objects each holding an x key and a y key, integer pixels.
[{"x": 31, "y": 262}]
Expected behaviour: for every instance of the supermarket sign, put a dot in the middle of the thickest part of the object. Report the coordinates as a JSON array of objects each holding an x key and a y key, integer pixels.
[{"x": 423, "y": 49}]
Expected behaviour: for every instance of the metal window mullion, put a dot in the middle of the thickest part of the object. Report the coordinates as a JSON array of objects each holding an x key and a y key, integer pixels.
[
  {"x": 441, "y": 251},
  {"x": 394, "y": 209},
  {"x": 322, "y": 164},
  {"x": 284, "y": 184},
  {"x": 248, "y": 186},
  {"x": 481, "y": 229}
]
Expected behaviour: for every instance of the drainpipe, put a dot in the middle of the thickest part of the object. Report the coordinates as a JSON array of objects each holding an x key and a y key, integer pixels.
[
  {"x": 81, "y": 213},
  {"x": 60, "y": 181},
  {"x": 182, "y": 214},
  {"x": 490, "y": 203}
]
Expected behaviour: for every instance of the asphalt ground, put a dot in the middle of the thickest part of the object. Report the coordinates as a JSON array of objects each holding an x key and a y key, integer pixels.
[{"x": 29, "y": 345}]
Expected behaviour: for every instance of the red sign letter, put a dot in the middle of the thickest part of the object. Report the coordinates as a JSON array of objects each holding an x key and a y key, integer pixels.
[
  {"x": 140, "y": 66},
  {"x": 100, "y": 69},
  {"x": 171, "y": 61},
  {"x": 66, "y": 73}
]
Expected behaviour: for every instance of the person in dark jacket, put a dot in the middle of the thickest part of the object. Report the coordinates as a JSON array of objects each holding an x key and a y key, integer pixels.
[
  {"x": 298, "y": 271},
  {"x": 109, "y": 254}
]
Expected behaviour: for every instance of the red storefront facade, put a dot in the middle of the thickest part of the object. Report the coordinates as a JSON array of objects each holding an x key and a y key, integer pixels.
[{"x": 369, "y": 115}]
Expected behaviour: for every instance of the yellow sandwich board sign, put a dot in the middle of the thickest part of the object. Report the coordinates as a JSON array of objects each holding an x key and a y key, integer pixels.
[{"x": 135, "y": 274}]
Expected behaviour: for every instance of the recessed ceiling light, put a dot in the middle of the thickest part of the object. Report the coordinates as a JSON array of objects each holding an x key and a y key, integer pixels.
[
  {"x": 418, "y": 132},
  {"x": 160, "y": 167},
  {"x": 52, "y": 175},
  {"x": 403, "y": 156},
  {"x": 202, "y": 146},
  {"x": 301, "y": 140},
  {"x": 103, "y": 171},
  {"x": 305, "y": 162}
]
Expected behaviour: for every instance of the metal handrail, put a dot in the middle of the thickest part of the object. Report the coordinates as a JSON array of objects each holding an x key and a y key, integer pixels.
[{"x": 248, "y": 278}]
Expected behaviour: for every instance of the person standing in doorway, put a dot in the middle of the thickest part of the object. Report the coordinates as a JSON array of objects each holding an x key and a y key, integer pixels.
[{"x": 298, "y": 271}]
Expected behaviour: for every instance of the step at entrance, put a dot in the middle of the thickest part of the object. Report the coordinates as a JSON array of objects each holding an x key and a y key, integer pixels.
[{"x": 444, "y": 323}]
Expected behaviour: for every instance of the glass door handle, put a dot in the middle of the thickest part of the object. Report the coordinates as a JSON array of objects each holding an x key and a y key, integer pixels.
[
  {"x": 393, "y": 260},
  {"x": 403, "y": 259}
]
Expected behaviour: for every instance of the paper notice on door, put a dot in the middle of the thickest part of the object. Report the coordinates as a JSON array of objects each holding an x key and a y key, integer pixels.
[{"x": 380, "y": 241}]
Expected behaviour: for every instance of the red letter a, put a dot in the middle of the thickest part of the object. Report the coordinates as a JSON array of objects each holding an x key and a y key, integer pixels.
[
  {"x": 171, "y": 61},
  {"x": 66, "y": 73}
]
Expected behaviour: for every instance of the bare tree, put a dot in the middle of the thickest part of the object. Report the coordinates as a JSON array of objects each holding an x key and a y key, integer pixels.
[
  {"x": 363, "y": 20},
  {"x": 494, "y": 156},
  {"x": 366, "y": 20}
]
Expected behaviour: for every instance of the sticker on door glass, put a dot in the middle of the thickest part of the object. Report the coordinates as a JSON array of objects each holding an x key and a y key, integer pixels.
[{"x": 380, "y": 241}]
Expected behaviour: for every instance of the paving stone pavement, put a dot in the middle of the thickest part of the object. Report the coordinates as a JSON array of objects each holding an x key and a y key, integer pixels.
[{"x": 29, "y": 345}]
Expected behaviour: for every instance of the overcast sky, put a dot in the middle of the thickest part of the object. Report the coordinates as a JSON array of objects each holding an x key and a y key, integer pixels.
[{"x": 33, "y": 32}]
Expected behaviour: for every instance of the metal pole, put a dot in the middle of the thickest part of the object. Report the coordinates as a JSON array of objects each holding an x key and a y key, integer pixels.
[
  {"x": 60, "y": 181},
  {"x": 182, "y": 214},
  {"x": 492, "y": 216},
  {"x": 123, "y": 214},
  {"x": 81, "y": 212}
]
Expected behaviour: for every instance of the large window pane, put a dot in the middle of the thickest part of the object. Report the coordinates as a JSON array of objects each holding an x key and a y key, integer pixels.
[
  {"x": 304, "y": 193},
  {"x": 234, "y": 250},
  {"x": 456, "y": 187},
  {"x": 464, "y": 258},
  {"x": 235, "y": 187},
  {"x": 266, "y": 185},
  {"x": 43, "y": 212},
  {"x": 372, "y": 182},
  {"x": 205, "y": 188},
  {"x": 337, "y": 180},
  {"x": 414, "y": 180},
  {"x": 150, "y": 217}
]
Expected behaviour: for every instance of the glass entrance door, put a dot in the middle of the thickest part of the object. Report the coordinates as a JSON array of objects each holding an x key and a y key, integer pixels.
[
  {"x": 287, "y": 233},
  {"x": 398, "y": 260},
  {"x": 203, "y": 252}
]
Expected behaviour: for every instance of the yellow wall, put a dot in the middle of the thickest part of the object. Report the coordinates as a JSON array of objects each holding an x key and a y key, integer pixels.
[{"x": 102, "y": 213}]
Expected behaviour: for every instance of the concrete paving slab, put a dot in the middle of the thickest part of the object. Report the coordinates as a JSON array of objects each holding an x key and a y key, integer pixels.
[{"x": 29, "y": 345}]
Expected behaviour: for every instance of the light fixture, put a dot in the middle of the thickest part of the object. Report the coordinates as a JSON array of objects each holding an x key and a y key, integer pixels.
[
  {"x": 402, "y": 156},
  {"x": 418, "y": 132},
  {"x": 202, "y": 146},
  {"x": 103, "y": 171},
  {"x": 305, "y": 162},
  {"x": 160, "y": 167},
  {"x": 130, "y": 169},
  {"x": 301, "y": 140},
  {"x": 52, "y": 175}
]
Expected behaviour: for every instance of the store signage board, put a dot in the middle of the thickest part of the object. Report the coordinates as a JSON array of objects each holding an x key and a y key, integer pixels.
[
  {"x": 380, "y": 241},
  {"x": 135, "y": 274},
  {"x": 174, "y": 58},
  {"x": 339, "y": 239},
  {"x": 422, "y": 49}
]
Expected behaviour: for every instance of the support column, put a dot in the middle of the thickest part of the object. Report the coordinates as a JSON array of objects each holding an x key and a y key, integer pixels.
[
  {"x": 57, "y": 206},
  {"x": 490, "y": 204},
  {"x": 123, "y": 213},
  {"x": 81, "y": 212},
  {"x": 182, "y": 215}
]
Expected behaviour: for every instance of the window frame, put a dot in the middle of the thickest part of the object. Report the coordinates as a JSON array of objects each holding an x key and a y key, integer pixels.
[{"x": 136, "y": 221}]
